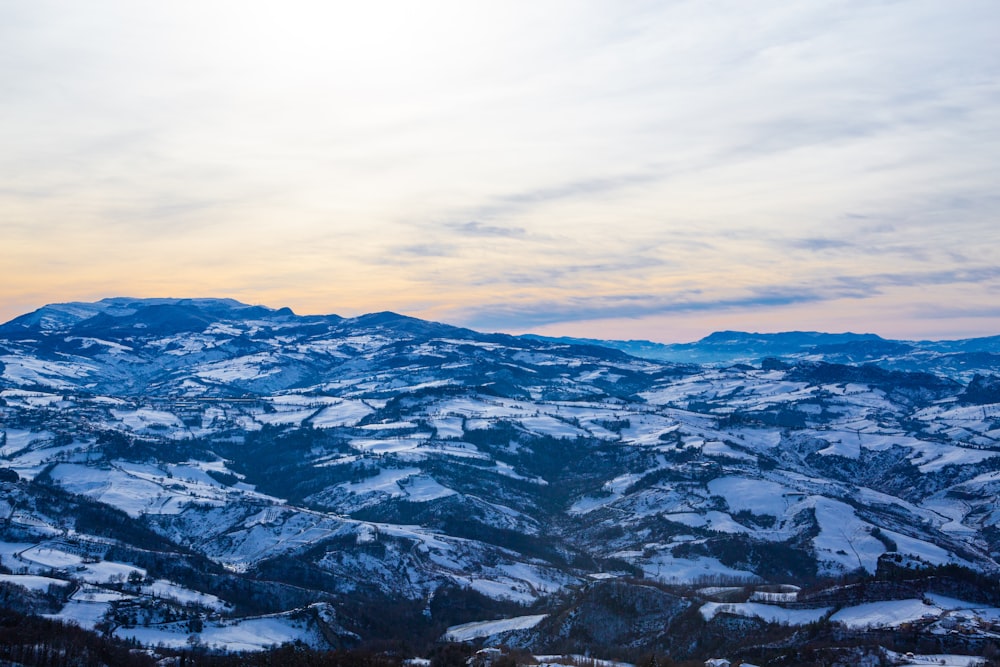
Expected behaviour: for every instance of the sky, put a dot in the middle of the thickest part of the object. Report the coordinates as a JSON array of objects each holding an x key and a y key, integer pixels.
[{"x": 605, "y": 169}]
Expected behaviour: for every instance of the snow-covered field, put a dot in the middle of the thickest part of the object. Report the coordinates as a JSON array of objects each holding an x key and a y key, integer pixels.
[
  {"x": 937, "y": 659},
  {"x": 892, "y": 613},
  {"x": 768, "y": 612},
  {"x": 255, "y": 634},
  {"x": 469, "y": 631},
  {"x": 32, "y": 582},
  {"x": 83, "y": 613}
]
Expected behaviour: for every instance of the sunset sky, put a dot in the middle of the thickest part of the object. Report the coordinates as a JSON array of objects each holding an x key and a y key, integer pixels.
[{"x": 617, "y": 169}]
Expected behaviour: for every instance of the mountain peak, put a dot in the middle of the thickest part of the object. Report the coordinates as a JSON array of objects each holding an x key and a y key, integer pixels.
[
  {"x": 66, "y": 316},
  {"x": 804, "y": 338}
]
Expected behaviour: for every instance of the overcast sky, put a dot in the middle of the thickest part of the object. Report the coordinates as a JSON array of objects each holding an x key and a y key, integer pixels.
[{"x": 615, "y": 169}]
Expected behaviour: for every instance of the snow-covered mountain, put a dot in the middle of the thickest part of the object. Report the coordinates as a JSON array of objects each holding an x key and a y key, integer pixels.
[
  {"x": 300, "y": 472},
  {"x": 958, "y": 359}
]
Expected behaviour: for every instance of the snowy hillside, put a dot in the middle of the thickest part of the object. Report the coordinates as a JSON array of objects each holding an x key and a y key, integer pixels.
[
  {"x": 959, "y": 359},
  {"x": 459, "y": 475}
]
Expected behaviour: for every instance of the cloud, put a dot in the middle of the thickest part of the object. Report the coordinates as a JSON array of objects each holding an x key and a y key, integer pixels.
[
  {"x": 937, "y": 312},
  {"x": 426, "y": 250},
  {"x": 518, "y": 202},
  {"x": 579, "y": 160},
  {"x": 961, "y": 275},
  {"x": 528, "y": 313},
  {"x": 577, "y": 309},
  {"x": 820, "y": 244},
  {"x": 479, "y": 229},
  {"x": 572, "y": 274}
]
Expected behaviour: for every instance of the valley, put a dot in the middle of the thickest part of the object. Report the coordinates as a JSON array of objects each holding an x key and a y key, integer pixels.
[{"x": 202, "y": 473}]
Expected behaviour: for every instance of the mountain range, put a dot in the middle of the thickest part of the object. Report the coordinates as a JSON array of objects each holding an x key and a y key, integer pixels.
[{"x": 201, "y": 471}]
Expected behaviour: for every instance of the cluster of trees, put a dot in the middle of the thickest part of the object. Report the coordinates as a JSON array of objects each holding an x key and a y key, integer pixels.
[
  {"x": 290, "y": 656},
  {"x": 32, "y": 640}
]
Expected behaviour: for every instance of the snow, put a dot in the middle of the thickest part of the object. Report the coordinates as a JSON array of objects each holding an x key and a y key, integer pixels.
[
  {"x": 398, "y": 483},
  {"x": 250, "y": 367},
  {"x": 97, "y": 594},
  {"x": 345, "y": 413},
  {"x": 932, "y": 457},
  {"x": 167, "y": 589},
  {"x": 255, "y": 634},
  {"x": 191, "y": 472},
  {"x": 144, "y": 419},
  {"x": 773, "y": 597},
  {"x": 844, "y": 542},
  {"x": 388, "y": 445},
  {"x": 722, "y": 450},
  {"x": 847, "y": 450},
  {"x": 710, "y": 591},
  {"x": 577, "y": 659},
  {"x": 887, "y": 613},
  {"x": 546, "y": 425},
  {"x": 82, "y": 613},
  {"x": 755, "y": 495},
  {"x": 18, "y": 439},
  {"x": 139, "y": 489},
  {"x": 591, "y": 503},
  {"x": 50, "y": 557},
  {"x": 31, "y": 463},
  {"x": 296, "y": 400},
  {"x": 283, "y": 417},
  {"x": 26, "y": 370},
  {"x": 32, "y": 582},
  {"x": 929, "y": 552},
  {"x": 271, "y": 531},
  {"x": 948, "y": 603},
  {"x": 462, "y": 450},
  {"x": 130, "y": 493},
  {"x": 389, "y": 426},
  {"x": 663, "y": 566},
  {"x": 500, "y": 589},
  {"x": 936, "y": 659},
  {"x": 106, "y": 572},
  {"x": 421, "y": 489},
  {"x": 927, "y": 456},
  {"x": 859, "y": 420},
  {"x": 507, "y": 470},
  {"x": 974, "y": 610},
  {"x": 483, "y": 409},
  {"x": 470, "y": 631},
  {"x": 447, "y": 427},
  {"x": 536, "y": 577},
  {"x": 768, "y": 612},
  {"x": 10, "y": 550},
  {"x": 718, "y": 521}
]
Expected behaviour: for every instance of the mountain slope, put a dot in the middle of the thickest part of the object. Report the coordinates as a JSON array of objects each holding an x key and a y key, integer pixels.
[
  {"x": 384, "y": 462},
  {"x": 958, "y": 359}
]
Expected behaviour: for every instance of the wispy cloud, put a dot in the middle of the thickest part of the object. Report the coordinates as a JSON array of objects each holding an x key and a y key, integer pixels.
[
  {"x": 426, "y": 250},
  {"x": 473, "y": 228},
  {"x": 516, "y": 202},
  {"x": 639, "y": 305},
  {"x": 937, "y": 312},
  {"x": 576, "y": 308},
  {"x": 578, "y": 160},
  {"x": 821, "y": 244}
]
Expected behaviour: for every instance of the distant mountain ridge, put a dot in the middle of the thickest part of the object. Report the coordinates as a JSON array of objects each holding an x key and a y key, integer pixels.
[
  {"x": 60, "y": 316},
  {"x": 955, "y": 358},
  {"x": 720, "y": 347}
]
